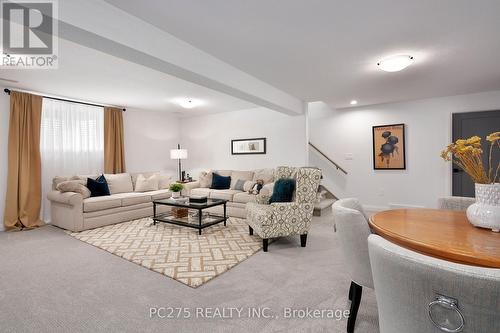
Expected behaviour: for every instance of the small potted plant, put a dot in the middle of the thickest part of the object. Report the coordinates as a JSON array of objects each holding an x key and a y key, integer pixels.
[
  {"x": 467, "y": 155},
  {"x": 176, "y": 189}
]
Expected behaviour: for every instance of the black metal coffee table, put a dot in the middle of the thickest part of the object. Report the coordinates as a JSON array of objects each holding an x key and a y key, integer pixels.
[{"x": 200, "y": 221}]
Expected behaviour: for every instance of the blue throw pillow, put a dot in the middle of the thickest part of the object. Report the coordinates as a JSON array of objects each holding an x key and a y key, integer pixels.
[
  {"x": 98, "y": 187},
  {"x": 220, "y": 182},
  {"x": 283, "y": 190}
]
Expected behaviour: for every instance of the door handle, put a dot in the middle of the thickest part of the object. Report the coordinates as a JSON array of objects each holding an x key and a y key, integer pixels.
[{"x": 456, "y": 170}]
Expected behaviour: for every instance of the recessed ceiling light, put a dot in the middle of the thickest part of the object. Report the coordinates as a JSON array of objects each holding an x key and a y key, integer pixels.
[
  {"x": 189, "y": 103},
  {"x": 354, "y": 102},
  {"x": 395, "y": 63}
]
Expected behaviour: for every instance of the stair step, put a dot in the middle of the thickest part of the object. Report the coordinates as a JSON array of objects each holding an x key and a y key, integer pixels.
[
  {"x": 325, "y": 203},
  {"x": 322, "y": 205}
]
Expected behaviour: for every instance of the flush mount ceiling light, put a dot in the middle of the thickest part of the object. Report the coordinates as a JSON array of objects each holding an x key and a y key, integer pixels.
[
  {"x": 189, "y": 103},
  {"x": 395, "y": 63},
  {"x": 354, "y": 102}
]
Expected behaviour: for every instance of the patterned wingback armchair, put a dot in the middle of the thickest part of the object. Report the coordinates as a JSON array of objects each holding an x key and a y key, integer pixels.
[{"x": 286, "y": 218}]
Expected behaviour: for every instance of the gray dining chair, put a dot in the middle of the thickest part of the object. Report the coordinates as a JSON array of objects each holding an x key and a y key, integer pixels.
[
  {"x": 455, "y": 203},
  {"x": 353, "y": 231},
  {"x": 417, "y": 293}
]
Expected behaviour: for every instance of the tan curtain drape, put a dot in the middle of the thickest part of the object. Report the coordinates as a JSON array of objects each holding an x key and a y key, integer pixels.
[
  {"x": 22, "y": 205},
  {"x": 114, "y": 149}
]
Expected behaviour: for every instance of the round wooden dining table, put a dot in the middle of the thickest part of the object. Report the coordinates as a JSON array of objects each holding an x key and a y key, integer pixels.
[{"x": 443, "y": 234}]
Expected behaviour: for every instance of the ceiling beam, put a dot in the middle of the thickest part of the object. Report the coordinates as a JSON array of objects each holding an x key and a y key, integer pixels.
[{"x": 103, "y": 27}]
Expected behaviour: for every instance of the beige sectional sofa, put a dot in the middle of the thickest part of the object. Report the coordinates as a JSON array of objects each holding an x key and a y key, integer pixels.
[
  {"x": 237, "y": 199},
  {"x": 71, "y": 211}
]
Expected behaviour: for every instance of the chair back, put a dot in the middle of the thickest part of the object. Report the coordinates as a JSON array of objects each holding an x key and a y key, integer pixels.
[
  {"x": 416, "y": 293},
  {"x": 353, "y": 231},
  {"x": 455, "y": 203},
  {"x": 307, "y": 182},
  {"x": 285, "y": 172}
]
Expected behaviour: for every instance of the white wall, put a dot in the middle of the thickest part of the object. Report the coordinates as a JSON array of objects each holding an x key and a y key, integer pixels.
[
  {"x": 208, "y": 140},
  {"x": 149, "y": 136},
  {"x": 4, "y": 133},
  {"x": 428, "y": 131}
]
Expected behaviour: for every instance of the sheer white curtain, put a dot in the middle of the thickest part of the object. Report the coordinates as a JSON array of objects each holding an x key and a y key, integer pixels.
[{"x": 71, "y": 143}]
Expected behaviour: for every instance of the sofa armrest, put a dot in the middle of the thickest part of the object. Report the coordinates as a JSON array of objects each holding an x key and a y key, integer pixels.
[
  {"x": 258, "y": 216},
  {"x": 67, "y": 198},
  {"x": 66, "y": 210},
  {"x": 189, "y": 186}
]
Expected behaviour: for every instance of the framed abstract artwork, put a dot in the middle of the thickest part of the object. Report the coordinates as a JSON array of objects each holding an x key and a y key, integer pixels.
[
  {"x": 389, "y": 147},
  {"x": 248, "y": 146}
]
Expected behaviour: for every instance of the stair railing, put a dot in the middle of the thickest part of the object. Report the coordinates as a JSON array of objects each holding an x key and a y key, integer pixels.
[{"x": 328, "y": 158}]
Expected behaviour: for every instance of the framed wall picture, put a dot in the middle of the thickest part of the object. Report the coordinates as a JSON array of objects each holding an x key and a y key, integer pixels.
[
  {"x": 248, "y": 146},
  {"x": 389, "y": 147}
]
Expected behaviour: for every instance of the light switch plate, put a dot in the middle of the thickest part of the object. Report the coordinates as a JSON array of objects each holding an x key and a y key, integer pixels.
[{"x": 349, "y": 156}]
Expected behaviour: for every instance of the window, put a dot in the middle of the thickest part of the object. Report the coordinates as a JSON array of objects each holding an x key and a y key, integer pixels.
[{"x": 71, "y": 143}]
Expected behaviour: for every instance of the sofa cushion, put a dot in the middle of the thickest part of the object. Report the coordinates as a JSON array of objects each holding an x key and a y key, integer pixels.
[
  {"x": 220, "y": 182},
  {"x": 267, "y": 175},
  {"x": 223, "y": 194},
  {"x": 248, "y": 185},
  {"x": 240, "y": 175},
  {"x": 244, "y": 197},
  {"x": 240, "y": 185},
  {"x": 164, "y": 181},
  {"x": 98, "y": 187},
  {"x": 201, "y": 191},
  {"x": 119, "y": 183},
  {"x": 84, "y": 177},
  {"x": 117, "y": 210},
  {"x": 159, "y": 194},
  {"x": 148, "y": 174},
  {"x": 93, "y": 204},
  {"x": 143, "y": 184},
  {"x": 58, "y": 179},
  {"x": 133, "y": 198},
  {"x": 77, "y": 186},
  {"x": 205, "y": 179},
  {"x": 224, "y": 173}
]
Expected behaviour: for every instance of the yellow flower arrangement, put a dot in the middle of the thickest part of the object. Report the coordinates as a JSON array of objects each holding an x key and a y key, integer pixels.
[
  {"x": 467, "y": 154},
  {"x": 493, "y": 137}
]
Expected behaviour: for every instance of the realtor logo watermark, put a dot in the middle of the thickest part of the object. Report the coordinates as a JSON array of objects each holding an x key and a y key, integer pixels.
[{"x": 29, "y": 34}]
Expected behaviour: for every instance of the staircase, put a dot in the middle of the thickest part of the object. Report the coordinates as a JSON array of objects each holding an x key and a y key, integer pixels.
[
  {"x": 325, "y": 197},
  {"x": 325, "y": 200}
]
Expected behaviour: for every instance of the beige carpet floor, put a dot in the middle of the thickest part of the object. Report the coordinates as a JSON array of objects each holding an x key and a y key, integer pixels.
[
  {"x": 175, "y": 251},
  {"x": 52, "y": 282}
]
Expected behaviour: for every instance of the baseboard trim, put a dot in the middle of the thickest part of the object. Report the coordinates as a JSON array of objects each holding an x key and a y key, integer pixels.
[
  {"x": 373, "y": 208},
  {"x": 401, "y": 206}
]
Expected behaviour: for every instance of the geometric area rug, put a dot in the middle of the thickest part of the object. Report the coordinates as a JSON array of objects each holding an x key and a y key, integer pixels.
[{"x": 175, "y": 251}]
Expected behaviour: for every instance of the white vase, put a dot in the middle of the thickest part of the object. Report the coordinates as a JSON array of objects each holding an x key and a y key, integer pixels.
[
  {"x": 485, "y": 213},
  {"x": 176, "y": 195}
]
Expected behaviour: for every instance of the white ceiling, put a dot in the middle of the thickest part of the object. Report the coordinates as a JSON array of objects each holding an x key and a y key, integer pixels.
[
  {"x": 327, "y": 50},
  {"x": 93, "y": 76}
]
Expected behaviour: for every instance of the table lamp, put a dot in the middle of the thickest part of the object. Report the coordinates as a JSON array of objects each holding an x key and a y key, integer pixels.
[{"x": 179, "y": 154}]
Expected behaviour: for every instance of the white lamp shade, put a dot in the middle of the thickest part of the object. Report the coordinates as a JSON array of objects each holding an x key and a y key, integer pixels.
[{"x": 178, "y": 154}]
